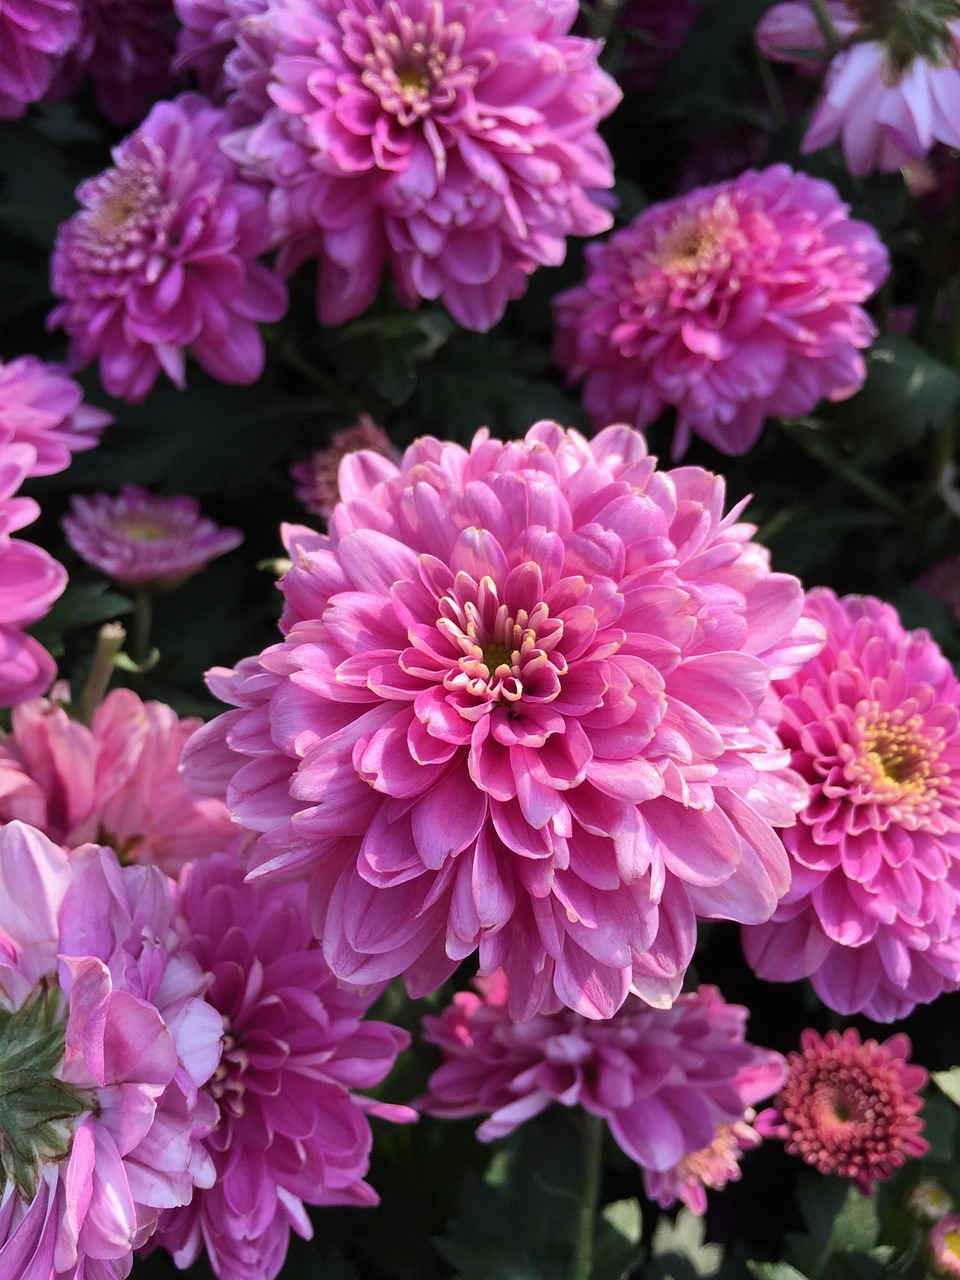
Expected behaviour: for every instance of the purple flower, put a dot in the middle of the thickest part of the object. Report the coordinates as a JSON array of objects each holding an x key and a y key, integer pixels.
[
  {"x": 733, "y": 303},
  {"x": 872, "y": 915},
  {"x": 34, "y": 37},
  {"x": 291, "y": 1129},
  {"x": 520, "y": 705},
  {"x": 317, "y": 486},
  {"x": 163, "y": 256},
  {"x": 208, "y": 35},
  {"x": 43, "y": 407},
  {"x": 105, "y": 1009},
  {"x": 456, "y": 143},
  {"x": 137, "y": 538},
  {"x": 663, "y": 1079}
]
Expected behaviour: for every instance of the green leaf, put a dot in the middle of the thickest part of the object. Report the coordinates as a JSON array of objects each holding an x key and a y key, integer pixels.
[
  {"x": 948, "y": 1082},
  {"x": 679, "y": 1250},
  {"x": 83, "y": 605},
  {"x": 616, "y": 1249},
  {"x": 841, "y": 1220},
  {"x": 775, "y": 1271}
]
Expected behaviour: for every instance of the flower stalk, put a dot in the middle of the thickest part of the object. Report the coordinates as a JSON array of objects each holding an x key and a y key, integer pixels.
[{"x": 589, "y": 1195}]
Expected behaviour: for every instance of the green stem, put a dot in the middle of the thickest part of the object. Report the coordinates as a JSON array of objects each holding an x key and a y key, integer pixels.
[
  {"x": 833, "y": 461},
  {"x": 589, "y": 1196},
  {"x": 771, "y": 89},
  {"x": 830, "y": 33},
  {"x": 109, "y": 643},
  {"x": 142, "y": 625}
]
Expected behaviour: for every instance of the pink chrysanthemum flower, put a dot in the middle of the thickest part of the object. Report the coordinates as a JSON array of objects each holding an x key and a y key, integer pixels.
[
  {"x": 34, "y": 37},
  {"x": 208, "y": 35},
  {"x": 295, "y": 1047},
  {"x": 105, "y": 1011},
  {"x": 456, "y": 143},
  {"x": 872, "y": 915},
  {"x": 712, "y": 1167},
  {"x": 117, "y": 782},
  {"x": 30, "y": 581},
  {"x": 943, "y": 1246},
  {"x": 125, "y": 47},
  {"x": 137, "y": 538},
  {"x": 662, "y": 1079},
  {"x": 520, "y": 706},
  {"x": 163, "y": 257},
  {"x": 317, "y": 486},
  {"x": 43, "y": 407},
  {"x": 892, "y": 91},
  {"x": 849, "y": 1108},
  {"x": 733, "y": 303}
]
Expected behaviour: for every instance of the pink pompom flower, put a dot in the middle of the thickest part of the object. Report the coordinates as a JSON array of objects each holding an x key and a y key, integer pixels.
[
  {"x": 296, "y": 1046},
  {"x": 105, "y": 1009},
  {"x": 30, "y": 581},
  {"x": 849, "y": 1108},
  {"x": 455, "y": 143},
  {"x": 664, "y": 1080},
  {"x": 733, "y": 303},
  {"x": 117, "y": 781},
  {"x": 316, "y": 479},
  {"x": 893, "y": 89},
  {"x": 139, "y": 539},
  {"x": 872, "y": 915},
  {"x": 35, "y": 35},
  {"x": 163, "y": 257},
  {"x": 42, "y": 406},
  {"x": 520, "y": 705}
]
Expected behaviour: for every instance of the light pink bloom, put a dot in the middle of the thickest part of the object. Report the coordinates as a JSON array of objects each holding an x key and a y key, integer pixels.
[
  {"x": 90, "y": 944},
  {"x": 34, "y": 37},
  {"x": 848, "y": 1108},
  {"x": 163, "y": 257},
  {"x": 455, "y": 143},
  {"x": 943, "y": 1246},
  {"x": 291, "y": 1128},
  {"x": 42, "y": 406},
  {"x": 520, "y": 705},
  {"x": 317, "y": 486},
  {"x": 30, "y": 581},
  {"x": 662, "y": 1079},
  {"x": 734, "y": 303},
  {"x": 137, "y": 537},
  {"x": 117, "y": 782},
  {"x": 208, "y": 35},
  {"x": 872, "y": 915},
  {"x": 891, "y": 92},
  {"x": 125, "y": 47}
]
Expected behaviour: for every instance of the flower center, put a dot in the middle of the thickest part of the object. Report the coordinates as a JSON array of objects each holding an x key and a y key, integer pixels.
[
  {"x": 909, "y": 29},
  {"x": 691, "y": 242},
  {"x": 412, "y": 67},
  {"x": 37, "y": 1109},
  {"x": 951, "y": 1243},
  {"x": 896, "y": 761},
  {"x": 144, "y": 530}
]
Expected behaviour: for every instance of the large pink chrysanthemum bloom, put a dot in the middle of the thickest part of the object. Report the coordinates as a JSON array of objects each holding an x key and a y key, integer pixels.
[
  {"x": 664, "y": 1080},
  {"x": 105, "y": 1011},
  {"x": 138, "y": 538},
  {"x": 207, "y": 36},
  {"x": 456, "y": 143},
  {"x": 872, "y": 915},
  {"x": 34, "y": 37},
  {"x": 125, "y": 47},
  {"x": 117, "y": 782},
  {"x": 291, "y": 1128},
  {"x": 163, "y": 257},
  {"x": 42, "y": 406},
  {"x": 893, "y": 89},
  {"x": 30, "y": 581},
  {"x": 848, "y": 1108},
  {"x": 734, "y": 303},
  {"x": 521, "y": 705}
]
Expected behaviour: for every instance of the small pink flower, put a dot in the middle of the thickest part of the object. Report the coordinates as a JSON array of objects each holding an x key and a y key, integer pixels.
[
  {"x": 163, "y": 257},
  {"x": 455, "y": 143},
  {"x": 43, "y": 407},
  {"x": 872, "y": 915},
  {"x": 34, "y": 37},
  {"x": 30, "y": 581},
  {"x": 291, "y": 1127},
  {"x": 137, "y": 538},
  {"x": 117, "y": 782},
  {"x": 893, "y": 89},
  {"x": 121, "y": 1041},
  {"x": 521, "y": 706},
  {"x": 317, "y": 486},
  {"x": 663, "y": 1079},
  {"x": 943, "y": 1246},
  {"x": 734, "y": 303},
  {"x": 849, "y": 1108}
]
